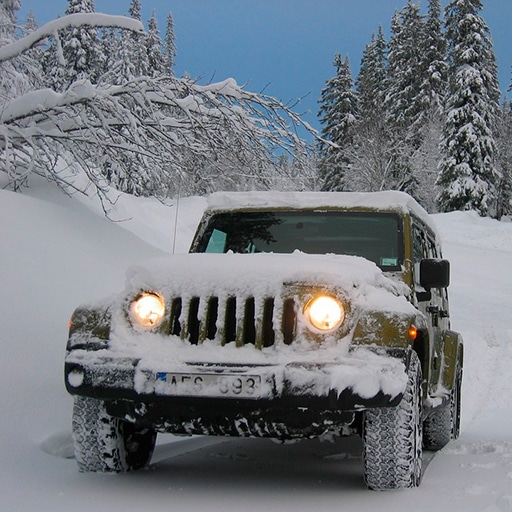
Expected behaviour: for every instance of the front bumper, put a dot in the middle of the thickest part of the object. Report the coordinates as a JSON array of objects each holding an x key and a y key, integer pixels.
[{"x": 278, "y": 400}]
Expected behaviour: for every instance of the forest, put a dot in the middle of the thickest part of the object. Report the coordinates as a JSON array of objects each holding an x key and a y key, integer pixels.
[{"x": 91, "y": 101}]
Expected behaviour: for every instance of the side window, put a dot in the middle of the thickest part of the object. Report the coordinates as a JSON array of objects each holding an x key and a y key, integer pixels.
[
  {"x": 420, "y": 245},
  {"x": 424, "y": 246},
  {"x": 433, "y": 250}
]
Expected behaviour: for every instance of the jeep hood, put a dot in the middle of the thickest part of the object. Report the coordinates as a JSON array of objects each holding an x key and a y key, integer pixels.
[{"x": 266, "y": 274}]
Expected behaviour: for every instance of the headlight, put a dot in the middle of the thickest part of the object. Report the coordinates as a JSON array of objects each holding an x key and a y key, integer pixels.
[
  {"x": 148, "y": 309},
  {"x": 325, "y": 313}
]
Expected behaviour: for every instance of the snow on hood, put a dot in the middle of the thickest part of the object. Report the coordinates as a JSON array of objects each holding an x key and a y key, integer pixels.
[{"x": 266, "y": 274}]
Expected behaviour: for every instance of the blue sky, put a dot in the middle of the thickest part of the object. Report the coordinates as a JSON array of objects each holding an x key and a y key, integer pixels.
[{"x": 285, "y": 47}]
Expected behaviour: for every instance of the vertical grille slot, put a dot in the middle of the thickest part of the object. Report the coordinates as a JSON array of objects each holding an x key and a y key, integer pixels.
[
  {"x": 212, "y": 313},
  {"x": 230, "y": 320},
  {"x": 193, "y": 320},
  {"x": 289, "y": 321},
  {"x": 268, "y": 336},
  {"x": 175, "y": 325},
  {"x": 249, "y": 326}
]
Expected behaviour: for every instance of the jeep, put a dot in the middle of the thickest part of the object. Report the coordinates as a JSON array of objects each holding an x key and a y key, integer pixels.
[{"x": 294, "y": 315}]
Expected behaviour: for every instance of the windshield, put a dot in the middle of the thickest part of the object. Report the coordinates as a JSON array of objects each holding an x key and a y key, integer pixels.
[{"x": 374, "y": 236}]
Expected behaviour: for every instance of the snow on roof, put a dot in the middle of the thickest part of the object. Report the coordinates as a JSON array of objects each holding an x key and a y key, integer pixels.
[{"x": 390, "y": 200}]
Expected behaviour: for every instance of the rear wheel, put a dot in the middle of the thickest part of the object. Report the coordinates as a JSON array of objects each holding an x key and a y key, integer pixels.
[
  {"x": 392, "y": 439},
  {"x": 106, "y": 444},
  {"x": 443, "y": 424}
]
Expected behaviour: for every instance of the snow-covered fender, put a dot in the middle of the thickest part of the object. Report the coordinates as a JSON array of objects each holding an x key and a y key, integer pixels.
[
  {"x": 452, "y": 356},
  {"x": 388, "y": 329},
  {"x": 89, "y": 328}
]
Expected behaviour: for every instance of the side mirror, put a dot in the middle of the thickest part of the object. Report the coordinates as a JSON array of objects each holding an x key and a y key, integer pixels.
[{"x": 434, "y": 273}]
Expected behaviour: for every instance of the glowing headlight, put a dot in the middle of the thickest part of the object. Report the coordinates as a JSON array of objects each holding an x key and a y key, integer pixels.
[
  {"x": 148, "y": 309},
  {"x": 325, "y": 313}
]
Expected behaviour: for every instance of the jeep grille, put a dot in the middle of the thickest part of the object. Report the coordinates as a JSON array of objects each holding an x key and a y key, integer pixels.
[{"x": 261, "y": 322}]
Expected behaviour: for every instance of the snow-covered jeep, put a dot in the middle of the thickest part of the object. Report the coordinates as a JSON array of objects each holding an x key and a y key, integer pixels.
[{"x": 295, "y": 315}]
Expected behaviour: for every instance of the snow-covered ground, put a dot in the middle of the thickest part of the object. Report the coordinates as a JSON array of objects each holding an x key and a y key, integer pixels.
[{"x": 56, "y": 252}]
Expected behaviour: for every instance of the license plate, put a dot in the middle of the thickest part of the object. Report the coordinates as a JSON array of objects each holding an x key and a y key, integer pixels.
[{"x": 211, "y": 384}]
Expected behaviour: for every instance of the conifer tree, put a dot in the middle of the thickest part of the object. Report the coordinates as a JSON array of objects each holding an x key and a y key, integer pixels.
[
  {"x": 337, "y": 113},
  {"x": 404, "y": 77},
  {"x": 372, "y": 149},
  {"x": 403, "y": 93},
  {"x": 110, "y": 48},
  {"x": 371, "y": 79},
  {"x": 75, "y": 54},
  {"x": 169, "y": 45},
  {"x": 415, "y": 91},
  {"x": 503, "y": 138},
  {"x": 154, "y": 49},
  {"x": 434, "y": 74},
  {"x": 137, "y": 44},
  {"x": 135, "y": 10},
  {"x": 429, "y": 123},
  {"x": 81, "y": 51},
  {"x": 468, "y": 172},
  {"x": 30, "y": 62}
]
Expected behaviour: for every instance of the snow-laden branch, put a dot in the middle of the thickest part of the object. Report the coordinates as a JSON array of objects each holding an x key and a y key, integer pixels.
[
  {"x": 151, "y": 134},
  {"x": 49, "y": 30}
]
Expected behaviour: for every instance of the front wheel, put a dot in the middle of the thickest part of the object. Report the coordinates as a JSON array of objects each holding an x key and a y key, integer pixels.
[
  {"x": 392, "y": 438},
  {"x": 106, "y": 444}
]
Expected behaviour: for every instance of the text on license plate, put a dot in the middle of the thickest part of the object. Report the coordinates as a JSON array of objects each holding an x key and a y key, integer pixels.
[{"x": 211, "y": 384}]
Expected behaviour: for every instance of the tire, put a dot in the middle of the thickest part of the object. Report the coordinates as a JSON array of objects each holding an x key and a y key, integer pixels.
[
  {"x": 443, "y": 424},
  {"x": 106, "y": 444},
  {"x": 392, "y": 438}
]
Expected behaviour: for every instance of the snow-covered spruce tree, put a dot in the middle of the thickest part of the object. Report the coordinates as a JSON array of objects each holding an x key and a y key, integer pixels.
[
  {"x": 337, "y": 114},
  {"x": 429, "y": 124},
  {"x": 403, "y": 92},
  {"x": 130, "y": 58},
  {"x": 156, "y": 66},
  {"x": 371, "y": 80},
  {"x": 138, "y": 45},
  {"x": 110, "y": 49},
  {"x": 62, "y": 135},
  {"x": 76, "y": 54},
  {"x": 169, "y": 45},
  {"x": 415, "y": 90},
  {"x": 372, "y": 155},
  {"x": 468, "y": 172},
  {"x": 434, "y": 72},
  {"x": 405, "y": 74},
  {"x": 503, "y": 138},
  {"x": 30, "y": 63}
]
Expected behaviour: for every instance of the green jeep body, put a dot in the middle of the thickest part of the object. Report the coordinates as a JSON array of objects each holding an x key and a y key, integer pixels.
[{"x": 231, "y": 344}]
